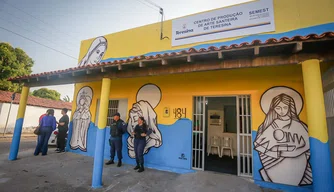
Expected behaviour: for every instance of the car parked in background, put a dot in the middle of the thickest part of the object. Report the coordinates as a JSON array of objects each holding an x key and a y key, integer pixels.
[{"x": 53, "y": 138}]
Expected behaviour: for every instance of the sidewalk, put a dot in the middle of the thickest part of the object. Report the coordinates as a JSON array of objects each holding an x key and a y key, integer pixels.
[
  {"x": 10, "y": 135},
  {"x": 72, "y": 172}
]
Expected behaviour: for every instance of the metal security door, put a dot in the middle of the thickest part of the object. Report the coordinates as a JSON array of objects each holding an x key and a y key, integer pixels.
[
  {"x": 198, "y": 139},
  {"x": 327, "y": 81},
  {"x": 245, "y": 160}
]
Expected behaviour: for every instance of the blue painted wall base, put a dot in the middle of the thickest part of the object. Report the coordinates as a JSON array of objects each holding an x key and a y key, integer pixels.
[
  {"x": 285, "y": 188},
  {"x": 259, "y": 181},
  {"x": 321, "y": 166},
  {"x": 15, "y": 145},
  {"x": 174, "y": 155}
]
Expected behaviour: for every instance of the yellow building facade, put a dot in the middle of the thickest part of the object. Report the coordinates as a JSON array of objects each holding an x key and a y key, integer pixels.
[{"x": 253, "y": 113}]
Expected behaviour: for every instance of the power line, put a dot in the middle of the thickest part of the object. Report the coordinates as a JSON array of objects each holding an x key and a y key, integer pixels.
[
  {"x": 147, "y": 5},
  {"x": 37, "y": 42},
  {"x": 150, "y": 2},
  {"x": 161, "y": 11},
  {"x": 32, "y": 32},
  {"x": 36, "y": 18},
  {"x": 18, "y": 18}
]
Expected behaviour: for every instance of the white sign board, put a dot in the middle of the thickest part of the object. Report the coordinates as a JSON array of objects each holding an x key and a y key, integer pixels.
[{"x": 245, "y": 19}]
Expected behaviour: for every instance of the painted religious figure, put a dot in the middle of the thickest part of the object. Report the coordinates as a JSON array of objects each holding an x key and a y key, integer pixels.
[
  {"x": 148, "y": 97},
  {"x": 81, "y": 119},
  {"x": 95, "y": 52},
  {"x": 282, "y": 139}
]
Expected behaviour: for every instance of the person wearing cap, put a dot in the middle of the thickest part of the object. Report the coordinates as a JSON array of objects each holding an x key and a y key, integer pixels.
[{"x": 117, "y": 128}]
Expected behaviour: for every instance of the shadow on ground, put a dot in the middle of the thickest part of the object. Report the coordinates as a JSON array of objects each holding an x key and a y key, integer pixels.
[{"x": 72, "y": 172}]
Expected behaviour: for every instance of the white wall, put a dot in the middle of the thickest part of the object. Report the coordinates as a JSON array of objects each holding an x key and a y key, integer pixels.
[
  {"x": 31, "y": 117},
  {"x": 216, "y": 104}
]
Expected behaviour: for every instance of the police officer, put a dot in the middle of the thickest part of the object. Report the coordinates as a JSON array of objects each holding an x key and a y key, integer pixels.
[
  {"x": 117, "y": 128},
  {"x": 140, "y": 133}
]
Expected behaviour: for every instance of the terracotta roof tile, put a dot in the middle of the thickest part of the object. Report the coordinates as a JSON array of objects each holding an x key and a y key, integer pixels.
[
  {"x": 5, "y": 97},
  {"x": 256, "y": 42}
]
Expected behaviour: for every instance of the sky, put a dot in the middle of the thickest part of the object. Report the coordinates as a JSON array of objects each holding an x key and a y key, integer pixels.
[{"x": 61, "y": 25}]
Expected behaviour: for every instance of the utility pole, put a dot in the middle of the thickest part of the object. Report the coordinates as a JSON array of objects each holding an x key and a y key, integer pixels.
[
  {"x": 10, "y": 107},
  {"x": 161, "y": 11}
]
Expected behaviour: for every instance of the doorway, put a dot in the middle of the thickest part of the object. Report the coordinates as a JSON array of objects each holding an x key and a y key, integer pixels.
[
  {"x": 221, "y": 129},
  {"x": 222, "y": 134}
]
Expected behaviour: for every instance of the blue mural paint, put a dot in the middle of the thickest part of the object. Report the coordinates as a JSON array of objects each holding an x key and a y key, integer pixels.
[
  {"x": 91, "y": 135},
  {"x": 14, "y": 147},
  {"x": 321, "y": 166},
  {"x": 285, "y": 188},
  {"x": 168, "y": 157},
  {"x": 318, "y": 29},
  {"x": 177, "y": 141},
  {"x": 259, "y": 181},
  {"x": 256, "y": 161},
  {"x": 98, "y": 158}
]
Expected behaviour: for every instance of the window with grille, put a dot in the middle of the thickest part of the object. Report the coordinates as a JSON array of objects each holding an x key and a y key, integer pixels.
[
  {"x": 112, "y": 109},
  {"x": 114, "y": 106}
]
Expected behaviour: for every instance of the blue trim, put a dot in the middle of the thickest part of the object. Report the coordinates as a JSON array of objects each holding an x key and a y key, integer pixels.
[
  {"x": 98, "y": 158},
  {"x": 15, "y": 145},
  {"x": 169, "y": 169},
  {"x": 167, "y": 157},
  {"x": 321, "y": 166},
  {"x": 318, "y": 29},
  {"x": 285, "y": 188}
]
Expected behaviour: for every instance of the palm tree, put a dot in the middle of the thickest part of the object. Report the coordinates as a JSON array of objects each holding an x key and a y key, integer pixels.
[{"x": 67, "y": 99}]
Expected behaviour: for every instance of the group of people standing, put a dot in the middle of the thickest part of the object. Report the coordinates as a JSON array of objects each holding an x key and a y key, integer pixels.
[
  {"x": 47, "y": 124},
  {"x": 117, "y": 128}
]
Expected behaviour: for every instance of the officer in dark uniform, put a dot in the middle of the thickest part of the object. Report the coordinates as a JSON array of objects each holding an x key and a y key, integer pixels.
[
  {"x": 140, "y": 133},
  {"x": 117, "y": 128}
]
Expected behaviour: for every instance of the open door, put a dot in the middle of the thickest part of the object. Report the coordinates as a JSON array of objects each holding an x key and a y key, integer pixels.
[
  {"x": 198, "y": 139},
  {"x": 245, "y": 157}
]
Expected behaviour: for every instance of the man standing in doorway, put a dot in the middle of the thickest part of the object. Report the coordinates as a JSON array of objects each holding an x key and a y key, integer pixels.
[{"x": 117, "y": 128}]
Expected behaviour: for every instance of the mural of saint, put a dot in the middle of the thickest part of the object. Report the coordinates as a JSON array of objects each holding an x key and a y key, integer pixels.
[
  {"x": 81, "y": 119},
  {"x": 282, "y": 139},
  {"x": 148, "y": 97},
  {"x": 95, "y": 52}
]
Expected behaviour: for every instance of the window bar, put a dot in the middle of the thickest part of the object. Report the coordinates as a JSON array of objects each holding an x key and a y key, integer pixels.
[
  {"x": 238, "y": 133},
  {"x": 243, "y": 137},
  {"x": 195, "y": 135},
  {"x": 203, "y": 133},
  {"x": 199, "y": 135},
  {"x": 247, "y": 127}
]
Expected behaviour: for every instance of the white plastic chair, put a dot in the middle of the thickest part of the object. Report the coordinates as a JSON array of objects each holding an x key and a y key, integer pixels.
[
  {"x": 214, "y": 143},
  {"x": 227, "y": 144}
]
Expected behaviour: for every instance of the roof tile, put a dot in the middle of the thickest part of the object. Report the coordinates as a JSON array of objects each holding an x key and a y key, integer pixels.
[
  {"x": 190, "y": 50},
  {"x": 5, "y": 97}
]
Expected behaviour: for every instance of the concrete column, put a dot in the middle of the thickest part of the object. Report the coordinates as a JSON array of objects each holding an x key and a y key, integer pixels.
[
  {"x": 317, "y": 127},
  {"x": 14, "y": 147},
  {"x": 100, "y": 134}
]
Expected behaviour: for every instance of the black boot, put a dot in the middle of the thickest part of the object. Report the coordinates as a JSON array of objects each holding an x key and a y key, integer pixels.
[
  {"x": 111, "y": 161},
  {"x": 141, "y": 168},
  {"x": 119, "y": 163},
  {"x": 137, "y": 167}
]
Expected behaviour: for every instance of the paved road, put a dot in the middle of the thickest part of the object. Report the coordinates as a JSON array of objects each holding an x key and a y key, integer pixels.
[
  {"x": 72, "y": 172},
  {"x": 26, "y": 144}
]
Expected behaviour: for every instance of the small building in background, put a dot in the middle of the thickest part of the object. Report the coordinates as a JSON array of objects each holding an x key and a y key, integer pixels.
[{"x": 35, "y": 108}]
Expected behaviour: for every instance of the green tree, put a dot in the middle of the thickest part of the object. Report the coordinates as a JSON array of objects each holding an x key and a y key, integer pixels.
[
  {"x": 13, "y": 62},
  {"x": 67, "y": 99},
  {"x": 47, "y": 94}
]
